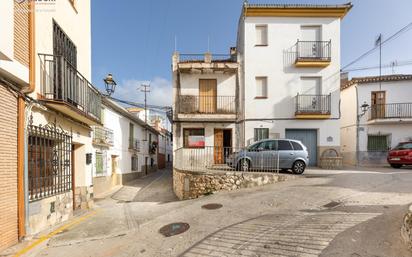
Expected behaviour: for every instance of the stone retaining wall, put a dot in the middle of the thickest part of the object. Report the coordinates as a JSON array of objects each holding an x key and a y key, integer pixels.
[
  {"x": 190, "y": 185},
  {"x": 406, "y": 230}
]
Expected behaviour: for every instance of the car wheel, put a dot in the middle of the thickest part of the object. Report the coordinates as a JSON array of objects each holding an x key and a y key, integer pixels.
[
  {"x": 243, "y": 165},
  {"x": 298, "y": 167},
  {"x": 396, "y": 166}
]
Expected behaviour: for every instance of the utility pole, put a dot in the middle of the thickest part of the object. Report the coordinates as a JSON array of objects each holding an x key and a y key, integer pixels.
[
  {"x": 379, "y": 41},
  {"x": 146, "y": 89}
]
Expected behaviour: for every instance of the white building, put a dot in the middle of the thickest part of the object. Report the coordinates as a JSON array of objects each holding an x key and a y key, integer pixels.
[
  {"x": 289, "y": 58},
  {"x": 282, "y": 81},
  {"x": 386, "y": 122},
  {"x": 204, "y": 103},
  {"x": 59, "y": 139},
  {"x": 125, "y": 148}
]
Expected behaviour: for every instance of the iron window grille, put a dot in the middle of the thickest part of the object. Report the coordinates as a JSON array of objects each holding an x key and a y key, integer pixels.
[
  {"x": 378, "y": 143},
  {"x": 49, "y": 161},
  {"x": 101, "y": 163}
]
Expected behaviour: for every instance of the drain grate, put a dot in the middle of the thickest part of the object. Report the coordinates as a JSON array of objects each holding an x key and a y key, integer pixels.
[
  {"x": 331, "y": 204},
  {"x": 212, "y": 206},
  {"x": 174, "y": 229}
]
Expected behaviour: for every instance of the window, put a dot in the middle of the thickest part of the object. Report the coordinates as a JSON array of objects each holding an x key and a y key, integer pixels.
[
  {"x": 296, "y": 146},
  {"x": 269, "y": 145},
  {"x": 261, "y": 87},
  {"x": 49, "y": 162},
  {"x": 63, "y": 45},
  {"x": 378, "y": 142},
  {"x": 261, "y": 133},
  {"x": 135, "y": 163},
  {"x": 101, "y": 163},
  {"x": 131, "y": 136},
  {"x": 284, "y": 145},
  {"x": 261, "y": 35},
  {"x": 404, "y": 146},
  {"x": 194, "y": 138}
]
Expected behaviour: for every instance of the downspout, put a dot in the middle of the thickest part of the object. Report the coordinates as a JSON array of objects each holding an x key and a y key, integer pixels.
[{"x": 22, "y": 142}]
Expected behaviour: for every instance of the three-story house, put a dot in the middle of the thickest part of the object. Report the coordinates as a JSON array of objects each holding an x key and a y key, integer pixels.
[{"x": 289, "y": 74}]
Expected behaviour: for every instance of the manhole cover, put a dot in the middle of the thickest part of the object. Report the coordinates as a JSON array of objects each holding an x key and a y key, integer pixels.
[
  {"x": 174, "y": 229},
  {"x": 331, "y": 204},
  {"x": 212, "y": 206}
]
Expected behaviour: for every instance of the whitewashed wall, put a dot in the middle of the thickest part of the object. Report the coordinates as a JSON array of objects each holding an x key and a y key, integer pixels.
[
  {"x": 226, "y": 83},
  {"x": 276, "y": 62}
]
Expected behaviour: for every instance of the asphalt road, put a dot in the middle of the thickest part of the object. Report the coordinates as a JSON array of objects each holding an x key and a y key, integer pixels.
[{"x": 324, "y": 213}]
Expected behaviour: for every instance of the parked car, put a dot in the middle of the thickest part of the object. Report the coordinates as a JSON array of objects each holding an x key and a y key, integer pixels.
[
  {"x": 400, "y": 155},
  {"x": 271, "y": 154}
]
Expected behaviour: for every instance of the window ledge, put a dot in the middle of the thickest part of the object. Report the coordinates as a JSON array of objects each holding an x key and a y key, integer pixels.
[
  {"x": 263, "y": 45},
  {"x": 261, "y": 97}
]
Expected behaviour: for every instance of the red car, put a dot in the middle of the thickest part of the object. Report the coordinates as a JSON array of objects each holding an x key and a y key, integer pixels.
[{"x": 400, "y": 155}]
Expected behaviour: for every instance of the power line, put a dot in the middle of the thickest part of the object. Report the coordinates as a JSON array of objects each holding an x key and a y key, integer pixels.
[
  {"x": 390, "y": 65},
  {"x": 392, "y": 37}
]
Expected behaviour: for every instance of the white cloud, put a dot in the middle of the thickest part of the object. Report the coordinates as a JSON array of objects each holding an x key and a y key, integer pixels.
[{"x": 160, "y": 91}]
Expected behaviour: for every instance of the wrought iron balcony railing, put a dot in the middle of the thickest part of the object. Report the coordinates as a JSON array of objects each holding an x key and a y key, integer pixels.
[
  {"x": 313, "y": 51},
  {"x": 102, "y": 136},
  {"x": 134, "y": 144},
  {"x": 391, "y": 111},
  {"x": 313, "y": 104},
  {"x": 193, "y": 104},
  {"x": 62, "y": 82}
]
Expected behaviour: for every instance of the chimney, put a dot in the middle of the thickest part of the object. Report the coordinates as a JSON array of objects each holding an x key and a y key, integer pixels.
[
  {"x": 208, "y": 57},
  {"x": 344, "y": 78},
  {"x": 175, "y": 60}
]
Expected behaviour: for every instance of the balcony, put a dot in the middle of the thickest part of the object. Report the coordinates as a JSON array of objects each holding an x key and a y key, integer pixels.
[
  {"x": 393, "y": 112},
  {"x": 134, "y": 144},
  {"x": 207, "y": 107},
  {"x": 102, "y": 136},
  {"x": 66, "y": 90},
  {"x": 313, "y": 54},
  {"x": 313, "y": 106}
]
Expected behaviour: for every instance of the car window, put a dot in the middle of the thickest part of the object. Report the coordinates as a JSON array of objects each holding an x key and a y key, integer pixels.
[
  {"x": 404, "y": 146},
  {"x": 254, "y": 147},
  {"x": 284, "y": 145},
  {"x": 296, "y": 146},
  {"x": 268, "y": 145}
]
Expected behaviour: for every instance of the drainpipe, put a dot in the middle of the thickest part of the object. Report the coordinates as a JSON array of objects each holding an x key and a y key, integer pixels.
[{"x": 22, "y": 144}]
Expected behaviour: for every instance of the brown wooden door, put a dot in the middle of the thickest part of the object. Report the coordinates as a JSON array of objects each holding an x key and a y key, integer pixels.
[
  {"x": 207, "y": 95},
  {"x": 218, "y": 147},
  {"x": 378, "y": 100}
]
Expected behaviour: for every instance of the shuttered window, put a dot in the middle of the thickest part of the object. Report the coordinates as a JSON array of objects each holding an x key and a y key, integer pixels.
[
  {"x": 261, "y": 133},
  {"x": 101, "y": 163},
  {"x": 261, "y": 35},
  {"x": 261, "y": 87},
  {"x": 135, "y": 163},
  {"x": 378, "y": 142}
]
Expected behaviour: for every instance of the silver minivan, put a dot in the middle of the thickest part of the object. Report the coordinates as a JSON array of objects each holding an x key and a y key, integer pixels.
[{"x": 271, "y": 154}]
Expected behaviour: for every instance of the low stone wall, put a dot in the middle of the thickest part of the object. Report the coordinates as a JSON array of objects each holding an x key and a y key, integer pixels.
[
  {"x": 406, "y": 230},
  {"x": 49, "y": 211},
  {"x": 190, "y": 185}
]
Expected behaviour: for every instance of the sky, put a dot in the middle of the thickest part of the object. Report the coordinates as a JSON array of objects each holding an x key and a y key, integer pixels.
[{"x": 134, "y": 39}]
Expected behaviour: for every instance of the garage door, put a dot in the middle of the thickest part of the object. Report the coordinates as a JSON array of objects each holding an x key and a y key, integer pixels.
[{"x": 309, "y": 138}]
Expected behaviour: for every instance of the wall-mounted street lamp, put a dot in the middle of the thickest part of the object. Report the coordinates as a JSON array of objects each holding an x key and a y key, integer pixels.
[
  {"x": 110, "y": 84},
  {"x": 364, "y": 108}
]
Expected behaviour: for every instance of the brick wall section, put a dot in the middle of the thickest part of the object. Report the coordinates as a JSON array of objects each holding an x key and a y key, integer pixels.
[
  {"x": 8, "y": 168},
  {"x": 21, "y": 32}
]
